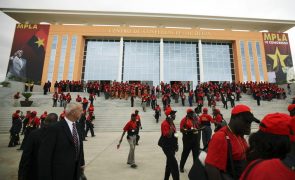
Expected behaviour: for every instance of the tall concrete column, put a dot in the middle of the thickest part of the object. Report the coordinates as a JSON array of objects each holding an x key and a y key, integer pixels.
[
  {"x": 120, "y": 65},
  {"x": 161, "y": 60},
  {"x": 201, "y": 61}
]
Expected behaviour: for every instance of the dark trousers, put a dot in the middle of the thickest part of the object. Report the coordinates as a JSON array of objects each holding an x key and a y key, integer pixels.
[
  {"x": 206, "y": 135},
  {"x": 171, "y": 164},
  {"x": 14, "y": 140},
  {"x": 153, "y": 104},
  {"x": 232, "y": 103},
  {"x": 190, "y": 143},
  {"x": 258, "y": 101},
  {"x": 224, "y": 104},
  {"x": 89, "y": 126},
  {"x": 132, "y": 102},
  {"x": 182, "y": 101}
]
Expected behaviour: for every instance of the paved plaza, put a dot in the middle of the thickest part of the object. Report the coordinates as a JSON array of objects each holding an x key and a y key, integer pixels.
[{"x": 103, "y": 160}]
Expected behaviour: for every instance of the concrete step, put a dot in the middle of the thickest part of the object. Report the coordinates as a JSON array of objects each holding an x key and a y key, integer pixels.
[{"x": 112, "y": 114}]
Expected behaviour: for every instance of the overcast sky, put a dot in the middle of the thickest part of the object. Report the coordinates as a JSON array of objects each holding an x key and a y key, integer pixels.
[{"x": 264, "y": 9}]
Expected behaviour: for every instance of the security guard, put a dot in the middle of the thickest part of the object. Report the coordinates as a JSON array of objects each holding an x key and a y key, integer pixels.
[{"x": 190, "y": 138}]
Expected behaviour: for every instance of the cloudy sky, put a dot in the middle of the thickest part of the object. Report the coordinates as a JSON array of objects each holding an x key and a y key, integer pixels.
[{"x": 263, "y": 9}]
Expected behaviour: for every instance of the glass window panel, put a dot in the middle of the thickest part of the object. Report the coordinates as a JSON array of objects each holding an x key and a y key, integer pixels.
[
  {"x": 102, "y": 60},
  {"x": 251, "y": 56},
  {"x": 62, "y": 57},
  {"x": 180, "y": 61},
  {"x": 243, "y": 58},
  {"x": 72, "y": 58},
  {"x": 142, "y": 61},
  {"x": 216, "y": 62},
  {"x": 260, "y": 68},
  {"x": 52, "y": 57}
]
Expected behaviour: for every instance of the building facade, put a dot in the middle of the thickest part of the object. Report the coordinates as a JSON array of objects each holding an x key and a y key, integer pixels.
[{"x": 116, "y": 53}]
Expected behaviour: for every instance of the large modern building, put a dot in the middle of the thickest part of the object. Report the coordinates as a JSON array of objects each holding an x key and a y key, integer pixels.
[{"x": 153, "y": 47}]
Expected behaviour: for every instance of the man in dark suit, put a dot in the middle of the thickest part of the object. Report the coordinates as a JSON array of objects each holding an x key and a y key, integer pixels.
[
  {"x": 61, "y": 151},
  {"x": 28, "y": 166}
]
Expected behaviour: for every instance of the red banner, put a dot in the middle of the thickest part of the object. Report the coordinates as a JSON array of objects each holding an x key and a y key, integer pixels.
[
  {"x": 278, "y": 57},
  {"x": 27, "y": 53}
]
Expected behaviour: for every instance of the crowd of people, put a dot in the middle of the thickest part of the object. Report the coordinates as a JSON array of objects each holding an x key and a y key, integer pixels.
[{"x": 228, "y": 153}]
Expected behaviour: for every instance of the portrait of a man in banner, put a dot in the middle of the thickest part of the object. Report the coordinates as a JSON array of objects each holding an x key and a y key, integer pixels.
[
  {"x": 278, "y": 58},
  {"x": 28, "y": 52}
]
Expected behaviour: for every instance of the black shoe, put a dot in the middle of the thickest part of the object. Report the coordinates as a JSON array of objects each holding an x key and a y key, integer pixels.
[
  {"x": 136, "y": 144},
  {"x": 181, "y": 170},
  {"x": 19, "y": 149},
  {"x": 93, "y": 136},
  {"x": 129, "y": 163},
  {"x": 133, "y": 166}
]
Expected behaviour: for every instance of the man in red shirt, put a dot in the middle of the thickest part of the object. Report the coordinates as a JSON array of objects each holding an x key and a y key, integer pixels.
[
  {"x": 205, "y": 121},
  {"x": 217, "y": 160},
  {"x": 190, "y": 138},
  {"x": 130, "y": 128},
  {"x": 15, "y": 129},
  {"x": 217, "y": 119}
]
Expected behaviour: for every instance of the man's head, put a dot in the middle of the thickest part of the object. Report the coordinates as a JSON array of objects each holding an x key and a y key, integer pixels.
[
  {"x": 205, "y": 110},
  {"x": 19, "y": 53},
  {"x": 190, "y": 113},
  {"x": 73, "y": 111},
  {"x": 291, "y": 109},
  {"x": 50, "y": 119},
  {"x": 136, "y": 111},
  {"x": 170, "y": 115},
  {"x": 133, "y": 117},
  {"x": 33, "y": 113},
  {"x": 241, "y": 119}
]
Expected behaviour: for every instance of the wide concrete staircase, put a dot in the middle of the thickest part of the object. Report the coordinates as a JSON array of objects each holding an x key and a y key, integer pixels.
[{"x": 112, "y": 114}]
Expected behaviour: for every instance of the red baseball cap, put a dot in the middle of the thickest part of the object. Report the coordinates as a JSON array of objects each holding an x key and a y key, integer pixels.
[
  {"x": 170, "y": 112},
  {"x": 291, "y": 107},
  {"x": 205, "y": 109},
  {"x": 189, "y": 110},
  {"x": 292, "y": 126},
  {"x": 276, "y": 123},
  {"x": 244, "y": 109},
  {"x": 239, "y": 109},
  {"x": 34, "y": 112}
]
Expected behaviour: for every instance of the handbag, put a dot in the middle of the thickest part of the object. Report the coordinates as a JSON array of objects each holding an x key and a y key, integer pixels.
[
  {"x": 161, "y": 141},
  {"x": 198, "y": 170}
]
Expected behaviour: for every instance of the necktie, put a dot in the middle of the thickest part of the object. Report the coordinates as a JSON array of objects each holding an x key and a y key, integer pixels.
[{"x": 75, "y": 139}]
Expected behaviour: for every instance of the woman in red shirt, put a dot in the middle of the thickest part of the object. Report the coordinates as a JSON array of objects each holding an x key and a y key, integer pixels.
[
  {"x": 169, "y": 144},
  {"x": 268, "y": 149}
]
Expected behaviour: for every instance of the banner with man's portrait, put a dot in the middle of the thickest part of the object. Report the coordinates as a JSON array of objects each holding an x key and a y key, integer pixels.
[
  {"x": 278, "y": 57},
  {"x": 28, "y": 52}
]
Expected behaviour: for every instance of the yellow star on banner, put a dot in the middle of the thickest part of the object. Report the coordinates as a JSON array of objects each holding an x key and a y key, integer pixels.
[
  {"x": 40, "y": 42},
  {"x": 278, "y": 57}
]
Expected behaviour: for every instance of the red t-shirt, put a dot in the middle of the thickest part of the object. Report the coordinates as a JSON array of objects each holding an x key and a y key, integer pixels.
[
  {"x": 217, "y": 149},
  {"x": 187, "y": 123},
  {"x": 165, "y": 128},
  {"x": 205, "y": 119},
  {"x": 131, "y": 125},
  {"x": 218, "y": 118},
  {"x": 272, "y": 169}
]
